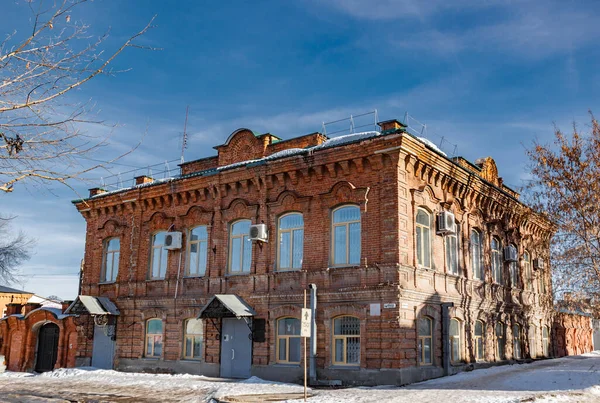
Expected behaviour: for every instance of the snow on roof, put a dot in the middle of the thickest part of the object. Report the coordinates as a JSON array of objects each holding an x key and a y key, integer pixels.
[
  {"x": 431, "y": 145},
  {"x": 12, "y": 290},
  {"x": 332, "y": 142}
]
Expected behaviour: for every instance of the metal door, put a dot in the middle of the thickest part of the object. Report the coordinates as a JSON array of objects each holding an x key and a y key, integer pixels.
[
  {"x": 103, "y": 352},
  {"x": 236, "y": 349},
  {"x": 47, "y": 348}
]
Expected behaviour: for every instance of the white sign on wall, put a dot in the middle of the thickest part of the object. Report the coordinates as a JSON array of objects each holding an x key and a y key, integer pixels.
[
  {"x": 305, "y": 322},
  {"x": 375, "y": 309}
]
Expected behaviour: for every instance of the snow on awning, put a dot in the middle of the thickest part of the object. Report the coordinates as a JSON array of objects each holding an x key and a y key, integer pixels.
[
  {"x": 92, "y": 305},
  {"x": 226, "y": 306}
]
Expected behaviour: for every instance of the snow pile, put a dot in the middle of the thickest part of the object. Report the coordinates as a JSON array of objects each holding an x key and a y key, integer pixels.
[
  {"x": 10, "y": 374},
  {"x": 431, "y": 145},
  {"x": 348, "y": 138}
]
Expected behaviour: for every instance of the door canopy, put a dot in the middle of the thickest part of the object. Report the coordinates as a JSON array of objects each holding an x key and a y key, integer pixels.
[
  {"x": 226, "y": 306},
  {"x": 86, "y": 304}
]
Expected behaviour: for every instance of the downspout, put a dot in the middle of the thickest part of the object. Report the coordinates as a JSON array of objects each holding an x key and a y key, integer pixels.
[
  {"x": 312, "y": 373},
  {"x": 445, "y": 338}
]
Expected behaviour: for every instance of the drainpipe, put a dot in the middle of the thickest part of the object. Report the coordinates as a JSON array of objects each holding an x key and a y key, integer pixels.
[
  {"x": 445, "y": 338},
  {"x": 312, "y": 374}
]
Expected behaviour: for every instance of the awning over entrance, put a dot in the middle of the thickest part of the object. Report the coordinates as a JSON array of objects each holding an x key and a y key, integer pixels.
[
  {"x": 86, "y": 304},
  {"x": 226, "y": 306}
]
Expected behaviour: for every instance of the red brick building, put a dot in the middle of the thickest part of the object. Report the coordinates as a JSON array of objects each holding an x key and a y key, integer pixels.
[{"x": 422, "y": 264}]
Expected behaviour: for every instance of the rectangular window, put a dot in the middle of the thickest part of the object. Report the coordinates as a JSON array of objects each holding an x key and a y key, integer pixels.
[
  {"x": 197, "y": 251},
  {"x": 240, "y": 247},
  {"x": 476, "y": 255},
  {"x": 452, "y": 254},
  {"x": 110, "y": 260},
  {"x": 291, "y": 241},
  {"x": 158, "y": 258},
  {"x": 346, "y": 242}
]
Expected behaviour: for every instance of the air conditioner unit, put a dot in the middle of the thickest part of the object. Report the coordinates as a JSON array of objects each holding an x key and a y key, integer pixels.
[
  {"x": 538, "y": 263},
  {"x": 510, "y": 254},
  {"x": 173, "y": 240},
  {"x": 446, "y": 223},
  {"x": 258, "y": 232}
]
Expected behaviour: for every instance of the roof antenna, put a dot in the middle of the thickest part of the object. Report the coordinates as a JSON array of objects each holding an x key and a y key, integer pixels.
[{"x": 184, "y": 141}]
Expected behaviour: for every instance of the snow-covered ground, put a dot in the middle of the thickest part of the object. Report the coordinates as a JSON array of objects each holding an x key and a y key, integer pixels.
[{"x": 569, "y": 379}]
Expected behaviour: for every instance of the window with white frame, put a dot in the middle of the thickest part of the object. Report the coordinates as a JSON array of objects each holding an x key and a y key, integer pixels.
[
  {"x": 500, "y": 340},
  {"x": 193, "y": 335},
  {"x": 346, "y": 236},
  {"x": 288, "y": 341},
  {"x": 158, "y": 256},
  {"x": 497, "y": 260},
  {"x": 479, "y": 341},
  {"x": 197, "y": 251},
  {"x": 476, "y": 255},
  {"x": 154, "y": 338},
  {"x": 423, "y": 238},
  {"x": 425, "y": 329},
  {"x": 527, "y": 271},
  {"x": 545, "y": 341},
  {"x": 291, "y": 242},
  {"x": 532, "y": 341},
  {"x": 110, "y": 260},
  {"x": 455, "y": 340},
  {"x": 240, "y": 247},
  {"x": 452, "y": 252},
  {"x": 517, "y": 342},
  {"x": 346, "y": 340},
  {"x": 513, "y": 268}
]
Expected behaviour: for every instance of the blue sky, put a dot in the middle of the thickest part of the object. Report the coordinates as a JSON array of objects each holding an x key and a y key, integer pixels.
[{"x": 488, "y": 76}]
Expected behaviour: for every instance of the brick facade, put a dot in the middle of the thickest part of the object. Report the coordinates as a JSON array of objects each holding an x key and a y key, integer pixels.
[{"x": 388, "y": 176}]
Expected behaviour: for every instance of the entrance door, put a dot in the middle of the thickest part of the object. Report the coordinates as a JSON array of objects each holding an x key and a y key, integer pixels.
[
  {"x": 103, "y": 352},
  {"x": 47, "y": 348},
  {"x": 236, "y": 349}
]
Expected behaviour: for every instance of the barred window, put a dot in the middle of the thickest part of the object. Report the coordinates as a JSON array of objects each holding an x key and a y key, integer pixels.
[{"x": 346, "y": 340}]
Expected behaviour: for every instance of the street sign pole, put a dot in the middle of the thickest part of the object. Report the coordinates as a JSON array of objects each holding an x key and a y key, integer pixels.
[{"x": 305, "y": 339}]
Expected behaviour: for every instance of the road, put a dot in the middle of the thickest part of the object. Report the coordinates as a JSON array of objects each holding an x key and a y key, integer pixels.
[{"x": 568, "y": 379}]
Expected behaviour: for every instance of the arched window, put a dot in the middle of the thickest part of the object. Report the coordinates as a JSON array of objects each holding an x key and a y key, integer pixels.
[
  {"x": 193, "y": 334},
  {"x": 532, "y": 341},
  {"x": 423, "y": 238},
  {"x": 527, "y": 271},
  {"x": 452, "y": 251},
  {"x": 500, "y": 340},
  {"x": 455, "y": 340},
  {"x": 240, "y": 247},
  {"x": 513, "y": 268},
  {"x": 110, "y": 260},
  {"x": 425, "y": 329},
  {"x": 476, "y": 254},
  {"x": 288, "y": 341},
  {"x": 158, "y": 256},
  {"x": 154, "y": 338},
  {"x": 197, "y": 251},
  {"x": 497, "y": 260},
  {"x": 545, "y": 341},
  {"x": 517, "y": 343},
  {"x": 346, "y": 236},
  {"x": 479, "y": 341},
  {"x": 346, "y": 340},
  {"x": 291, "y": 242}
]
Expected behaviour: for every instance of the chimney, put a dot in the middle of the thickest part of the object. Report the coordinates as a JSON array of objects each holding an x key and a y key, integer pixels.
[
  {"x": 140, "y": 180},
  {"x": 66, "y": 304},
  {"x": 391, "y": 125},
  {"x": 30, "y": 306},
  {"x": 96, "y": 191},
  {"x": 13, "y": 309}
]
